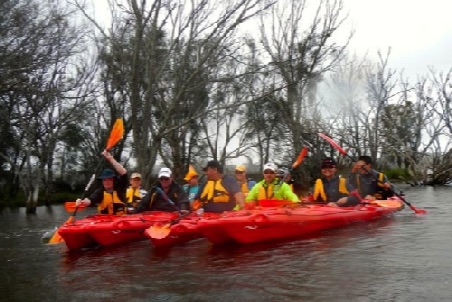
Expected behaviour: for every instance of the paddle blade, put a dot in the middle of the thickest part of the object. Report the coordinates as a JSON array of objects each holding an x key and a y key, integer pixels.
[
  {"x": 333, "y": 143},
  {"x": 418, "y": 211},
  {"x": 71, "y": 207},
  {"x": 116, "y": 134},
  {"x": 159, "y": 231},
  {"x": 300, "y": 157},
  {"x": 56, "y": 238}
]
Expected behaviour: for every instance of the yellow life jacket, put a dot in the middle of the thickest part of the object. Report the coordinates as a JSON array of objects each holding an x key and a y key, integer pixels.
[
  {"x": 133, "y": 196},
  {"x": 319, "y": 190},
  {"x": 111, "y": 204},
  {"x": 268, "y": 191},
  {"x": 214, "y": 192},
  {"x": 244, "y": 187}
]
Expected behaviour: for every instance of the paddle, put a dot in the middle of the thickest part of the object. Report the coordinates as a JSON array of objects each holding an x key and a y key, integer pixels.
[
  {"x": 297, "y": 162},
  {"x": 345, "y": 153},
  {"x": 115, "y": 136},
  {"x": 56, "y": 238},
  {"x": 71, "y": 205},
  {"x": 159, "y": 231}
]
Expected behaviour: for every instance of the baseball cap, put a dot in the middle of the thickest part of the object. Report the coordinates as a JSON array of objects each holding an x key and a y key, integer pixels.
[
  {"x": 135, "y": 175},
  {"x": 165, "y": 172},
  {"x": 270, "y": 166},
  {"x": 240, "y": 168},
  {"x": 328, "y": 163}
]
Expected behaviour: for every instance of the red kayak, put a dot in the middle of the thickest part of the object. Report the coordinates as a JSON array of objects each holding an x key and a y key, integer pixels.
[
  {"x": 266, "y": 224},
  {"x": 104, "y": 229}
]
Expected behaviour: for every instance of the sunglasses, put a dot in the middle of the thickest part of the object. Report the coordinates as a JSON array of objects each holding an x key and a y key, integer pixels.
[
  {"x": 239, "y": 172},
  {"x": 164, "y": 178},
  {"x": 269, "y": 172}
]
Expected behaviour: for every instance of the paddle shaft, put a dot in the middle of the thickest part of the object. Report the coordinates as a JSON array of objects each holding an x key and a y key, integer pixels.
[
  {"x": 161, "y": 192},
  {"x": 88, "y": 185}
]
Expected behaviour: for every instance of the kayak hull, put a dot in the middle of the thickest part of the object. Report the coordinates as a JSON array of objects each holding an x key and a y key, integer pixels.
[
  {"x": 268, "y": 224},
  {"x": 106, "y": 230},
  {"x": 183, "y": 231}
]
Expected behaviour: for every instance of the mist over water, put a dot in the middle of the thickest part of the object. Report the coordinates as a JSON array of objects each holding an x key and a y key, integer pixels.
[{"x": 405, "y": 257}]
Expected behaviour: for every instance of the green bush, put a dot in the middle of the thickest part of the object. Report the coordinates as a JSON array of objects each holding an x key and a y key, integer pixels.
[{"x": 397, "y": 174}]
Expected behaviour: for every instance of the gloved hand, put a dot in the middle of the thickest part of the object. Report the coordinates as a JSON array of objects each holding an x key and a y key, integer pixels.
[{"x": 82, "y": 202}]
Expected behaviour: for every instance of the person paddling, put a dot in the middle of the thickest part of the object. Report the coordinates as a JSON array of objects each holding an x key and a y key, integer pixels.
[
  {"x": 369, "y": 183},
  {"x": 134, "y": 193},
  {"x": 332, "y": 189},
  {"x": 242, "y": 179},
  {"x": 221, "y": 192},
  {"x": 271, "y": 187},
  {"x": 192, "y": 185},
  {"x": 111, "y": 197},
  {"x": 166, "y": 196}
]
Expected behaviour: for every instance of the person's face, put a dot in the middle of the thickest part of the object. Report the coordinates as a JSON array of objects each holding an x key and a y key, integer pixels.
[
  {"x": 108, "y": 183},
  {"x": 193, "y": 181},
  {"x": 212, "y": 173},
  {"x": 240, "y": 175},
  {"x": 362, "y": 167},
  {"x": 328, "y": 172},
  {"x": 135, "y": 182},
  {"x": 269, "y": 176},
  {"x": 165, "y": 181}
]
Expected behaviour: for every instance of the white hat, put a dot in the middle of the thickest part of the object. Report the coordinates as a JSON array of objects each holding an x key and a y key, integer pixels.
[
  {"x": 135, "y": 175},
  {"x": 270, "y": 166},
  {"x": 165, "y": 172}
]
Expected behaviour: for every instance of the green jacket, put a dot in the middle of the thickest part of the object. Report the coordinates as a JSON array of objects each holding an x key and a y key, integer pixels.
[{"x": 276, "y": 190}]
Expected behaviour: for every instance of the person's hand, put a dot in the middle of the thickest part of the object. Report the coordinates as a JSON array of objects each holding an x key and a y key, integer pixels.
[
  {"x": 370, "y": 197},
  {"x": 332, "y": 204},
  {"x": 107, "y": 154},
  {"x": 386, "y": 185},
  {"x": 82, "y": 202},
  {"x": 184, "y": 212}
]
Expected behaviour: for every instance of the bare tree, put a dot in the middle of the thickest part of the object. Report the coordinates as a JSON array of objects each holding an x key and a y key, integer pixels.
[
  {"x": 42, "y": 89},
  {"x": 301, "y": 48}
]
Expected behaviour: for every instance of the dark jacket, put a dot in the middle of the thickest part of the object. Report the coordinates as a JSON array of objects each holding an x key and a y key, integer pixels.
[
  {"x": 367, "y": 184},
  {"x": 156, "y": 201}
]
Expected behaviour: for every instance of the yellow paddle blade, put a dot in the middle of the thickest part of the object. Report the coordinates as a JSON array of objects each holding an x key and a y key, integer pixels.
[
  {"x": 159, "y": 231},
  {"x": 116, "y": 134}
]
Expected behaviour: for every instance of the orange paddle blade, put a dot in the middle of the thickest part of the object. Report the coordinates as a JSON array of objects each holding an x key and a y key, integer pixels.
[
  {"x": 71, "y": 207},
  {"x": 159, "y": 231},
  {"x": 390, "y": 203},
  {"x": 116, "y": 134},
  {"x": 56, "y": 238},
  {"x": 300, "y": 157}
]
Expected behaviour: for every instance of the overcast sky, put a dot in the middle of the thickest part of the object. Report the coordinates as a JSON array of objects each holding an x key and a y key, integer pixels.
[{"x": 419, "y": 32}]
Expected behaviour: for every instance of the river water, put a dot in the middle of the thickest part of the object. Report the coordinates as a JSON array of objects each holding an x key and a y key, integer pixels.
[{"x": 406, "y": 257}]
